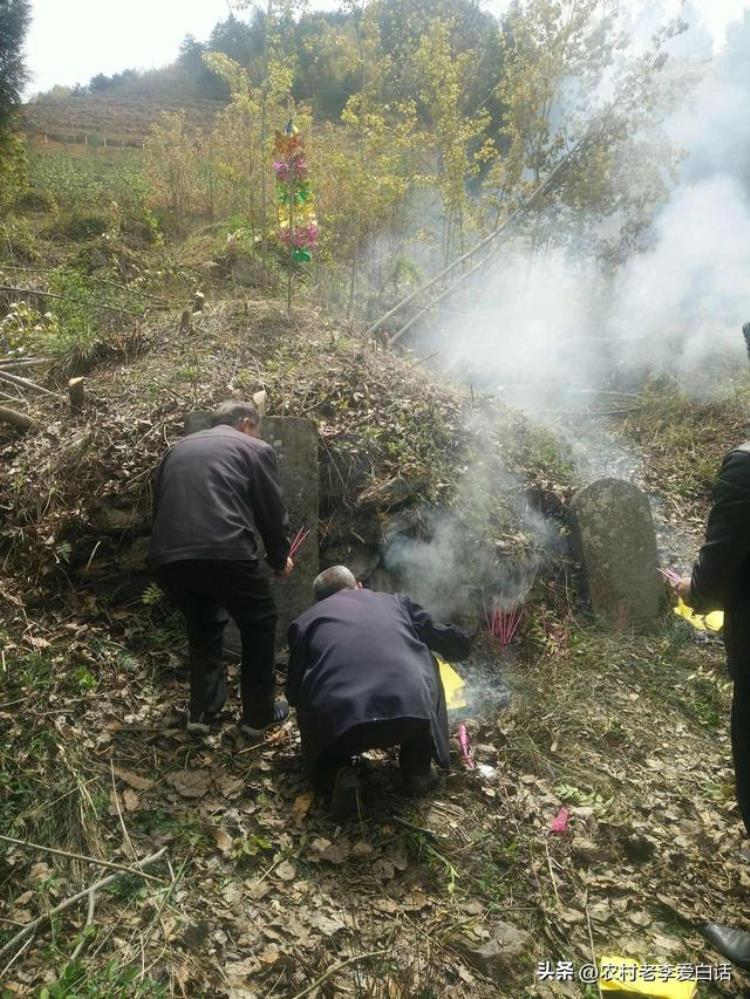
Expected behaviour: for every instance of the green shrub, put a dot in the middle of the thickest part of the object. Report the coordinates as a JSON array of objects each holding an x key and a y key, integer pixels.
[{"x": 78, "y": 228}]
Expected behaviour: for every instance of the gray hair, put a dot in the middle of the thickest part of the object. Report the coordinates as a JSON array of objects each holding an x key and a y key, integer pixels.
[
  {"x": 233, "y": 412},
  {"x": 330, "y": 581}
]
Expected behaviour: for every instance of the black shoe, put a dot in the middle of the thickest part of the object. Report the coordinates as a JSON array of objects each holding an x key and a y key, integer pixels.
[
  {"x": 733, "y": 944},
  {"x": 420, "y": 784},
  {"x": 257, "y": 723},
  {"x": 200, "y": 722},
  {"x": 345, "y": 802}
]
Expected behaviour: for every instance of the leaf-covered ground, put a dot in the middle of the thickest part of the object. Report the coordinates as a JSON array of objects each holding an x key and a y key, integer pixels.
[{"x": 260, "y": 893}]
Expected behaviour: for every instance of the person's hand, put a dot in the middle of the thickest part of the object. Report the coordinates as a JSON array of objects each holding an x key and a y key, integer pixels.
[
  {"x": 681, "y": 589},
  {"x": 286, "y": 570}
]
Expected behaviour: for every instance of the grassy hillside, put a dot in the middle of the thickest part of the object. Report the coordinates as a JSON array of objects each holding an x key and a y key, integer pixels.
[{"x": 101, "y": 120}]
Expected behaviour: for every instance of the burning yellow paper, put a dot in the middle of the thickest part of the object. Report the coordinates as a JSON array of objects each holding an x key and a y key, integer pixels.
[
  {"x": 618, "y": 974},
  {"x": 701, "y": 622},
  {"x": 452, "y": 683}
]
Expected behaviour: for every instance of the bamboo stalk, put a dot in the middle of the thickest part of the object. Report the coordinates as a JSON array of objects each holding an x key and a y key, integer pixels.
[{"x": 487, "y": 241}]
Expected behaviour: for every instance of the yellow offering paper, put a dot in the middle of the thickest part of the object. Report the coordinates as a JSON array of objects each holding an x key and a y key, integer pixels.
[
  {"x": 701, "y": 622},
  {"x": 619, "y": 974},
  {"x": 453, "y": 685}
]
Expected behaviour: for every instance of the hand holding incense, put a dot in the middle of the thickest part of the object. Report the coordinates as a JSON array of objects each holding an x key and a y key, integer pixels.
[{"x": 297, "y": 541}]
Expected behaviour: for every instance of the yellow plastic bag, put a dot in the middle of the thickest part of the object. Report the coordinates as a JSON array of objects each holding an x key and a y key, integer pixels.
[
  {"x": 640, "y": 987},
  {"x": 701, "y": 622},
  {"x": 452, "y": 683}
]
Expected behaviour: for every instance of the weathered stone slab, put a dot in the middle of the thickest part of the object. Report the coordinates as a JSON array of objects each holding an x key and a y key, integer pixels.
[
  {"x": 613, "y": 532},
  {"x": 295, "y": 441}
]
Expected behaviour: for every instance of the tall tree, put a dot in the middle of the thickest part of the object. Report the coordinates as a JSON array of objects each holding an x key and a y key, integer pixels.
[{"x": 14, "y": 20}]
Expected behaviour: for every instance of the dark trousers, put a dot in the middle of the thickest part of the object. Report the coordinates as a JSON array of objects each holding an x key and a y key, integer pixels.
[
  {"x": 204, "y": 591},
  {"x": 741, "y": 746},
  {"x": 412, "y": 735}
]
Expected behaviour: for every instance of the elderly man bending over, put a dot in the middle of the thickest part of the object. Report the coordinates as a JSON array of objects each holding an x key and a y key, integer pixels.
[
  {"x": 216, "y": 492},
  {"x": 361, "y": 677}
]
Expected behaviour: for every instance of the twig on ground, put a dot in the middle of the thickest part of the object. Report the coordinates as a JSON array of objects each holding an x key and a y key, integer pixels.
[
  {"x": 591, "y": 941},
  {"x": 15, "y": 957},
  {"x": 145, "y": 937},
  {"x": 5, "y": 376},
  {"x": 68, "y": 902},
  {"x": 81, "y": 856},
  {"x": 125, "y": 833},
  {"x": 417, "y": 829},
  {"x": 551, "y": 872},
  {"x": 334, "y": 969},
  {"x": 83, "y": 942}
]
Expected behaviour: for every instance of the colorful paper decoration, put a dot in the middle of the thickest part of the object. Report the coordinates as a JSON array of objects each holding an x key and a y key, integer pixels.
[{"x": 298, "y": 227}]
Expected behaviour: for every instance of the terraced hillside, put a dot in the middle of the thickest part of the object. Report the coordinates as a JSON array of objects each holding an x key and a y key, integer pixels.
[{"x": 101, "y": 120}]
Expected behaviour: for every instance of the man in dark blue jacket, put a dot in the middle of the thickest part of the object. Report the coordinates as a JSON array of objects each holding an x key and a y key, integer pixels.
[
  {"x": 216, "y": 491},
  {"x": 721, "y": 581},
  {"x": 361, "y": 677}
]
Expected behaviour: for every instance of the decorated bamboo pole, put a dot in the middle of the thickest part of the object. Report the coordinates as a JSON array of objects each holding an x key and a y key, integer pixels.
[{"x": 298, "y": 227}]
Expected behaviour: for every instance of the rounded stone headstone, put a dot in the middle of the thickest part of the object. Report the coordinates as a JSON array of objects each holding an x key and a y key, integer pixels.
[{"x": 614, "y": 534}]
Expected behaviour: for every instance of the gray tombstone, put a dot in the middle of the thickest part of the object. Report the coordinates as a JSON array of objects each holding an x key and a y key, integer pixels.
[
  {"x": 614, "y": 534},
  {"x": 295, "y": 442}
]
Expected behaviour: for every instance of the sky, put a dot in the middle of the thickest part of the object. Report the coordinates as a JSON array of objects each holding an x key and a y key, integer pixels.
[{"x": 72, "y": 40}]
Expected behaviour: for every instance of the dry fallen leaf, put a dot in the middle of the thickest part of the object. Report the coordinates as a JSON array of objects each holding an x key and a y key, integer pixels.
[
  {"x": 329, "y": 925},
  {"x": 286, "y": 871},
  {"x": 223, "y": 840},
  {"x": 230, "y": 786},
  {"x": 301, "y": 806},
  {"x": 131, "y": 800},
  {"x": 190, "y": 783},
  {"x": 134, "y": 780},
  {"x": 383, "y": 869}
]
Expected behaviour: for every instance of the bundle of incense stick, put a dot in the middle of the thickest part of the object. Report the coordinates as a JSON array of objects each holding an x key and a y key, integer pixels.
[
  {"x": 297, "y": 541},
  {"x": 670, "y": 575},
  {"x": 503, "y": 624},
  {"x": 465, "y": 743}
]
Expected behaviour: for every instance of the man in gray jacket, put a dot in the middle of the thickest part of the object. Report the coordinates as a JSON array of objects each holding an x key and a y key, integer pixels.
[{"x": 216, "y": 491}]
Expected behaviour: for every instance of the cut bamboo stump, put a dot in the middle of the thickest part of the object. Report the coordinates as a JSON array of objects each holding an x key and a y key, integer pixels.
[
  {"x": 77, "y": 393},
  {"x": 20, "y": 420}
]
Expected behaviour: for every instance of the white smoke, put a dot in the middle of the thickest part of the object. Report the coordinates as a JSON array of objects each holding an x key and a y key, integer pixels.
[{"x": 548, "y": 327}]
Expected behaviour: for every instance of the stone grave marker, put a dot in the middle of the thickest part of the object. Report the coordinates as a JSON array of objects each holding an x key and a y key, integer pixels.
[
  {"x": 295, "y": 442},
  {"x": 613, "y": 533}
]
